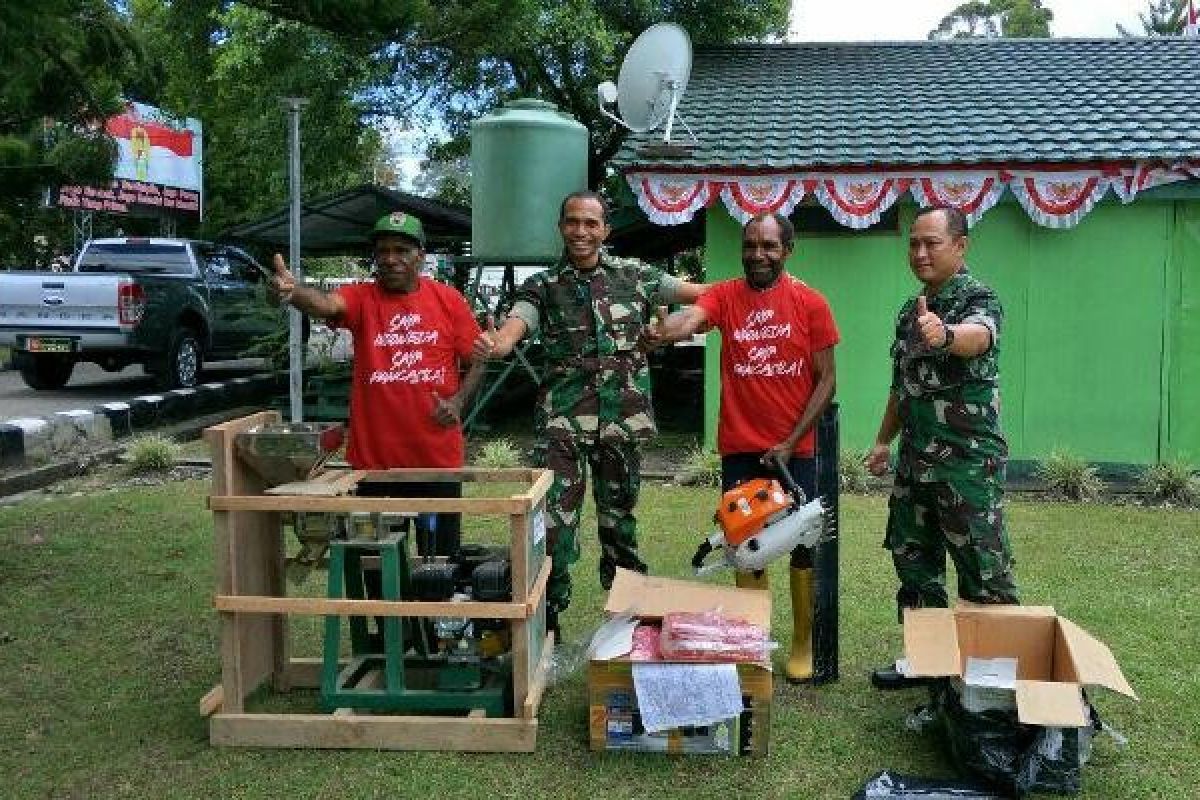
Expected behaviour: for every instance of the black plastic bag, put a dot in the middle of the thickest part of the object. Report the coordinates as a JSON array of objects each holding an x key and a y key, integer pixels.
[
  {"x": 890, "y": 786},
  {"x": 1016, "y": 758}
]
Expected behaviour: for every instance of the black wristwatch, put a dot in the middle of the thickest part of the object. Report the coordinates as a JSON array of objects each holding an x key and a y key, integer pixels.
[{"x": 949, "y": 332}]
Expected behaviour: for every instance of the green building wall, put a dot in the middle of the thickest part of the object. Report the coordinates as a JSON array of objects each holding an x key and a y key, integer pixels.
[{"x": 1100, "y": 350}]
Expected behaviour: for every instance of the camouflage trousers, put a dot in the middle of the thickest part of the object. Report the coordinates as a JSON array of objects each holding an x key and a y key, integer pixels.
[
  {"x": 616, "y": 481},
  {"x": 963, "y": 516}
]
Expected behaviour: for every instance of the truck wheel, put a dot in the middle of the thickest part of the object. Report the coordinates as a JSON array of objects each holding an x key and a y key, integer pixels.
[
  {"x": 181, "y": 366},
  {"x": 45, "y": 372}
]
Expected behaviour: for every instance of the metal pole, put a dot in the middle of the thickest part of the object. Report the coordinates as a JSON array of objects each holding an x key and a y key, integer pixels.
[{"x": 295, "y": 321}]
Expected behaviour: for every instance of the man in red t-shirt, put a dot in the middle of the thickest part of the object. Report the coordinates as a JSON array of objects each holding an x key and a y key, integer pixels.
[
  {"x": 777, "y": 378},
  {"x": 412, "y": 340}
]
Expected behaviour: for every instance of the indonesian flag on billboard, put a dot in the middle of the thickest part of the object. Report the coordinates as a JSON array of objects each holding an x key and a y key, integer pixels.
[
  {"x": 1191, "y": 20},
  {"x": 155, "y": 149}
]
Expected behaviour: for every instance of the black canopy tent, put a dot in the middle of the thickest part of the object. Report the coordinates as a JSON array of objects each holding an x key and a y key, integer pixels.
[{"x": 339, "y": 224}]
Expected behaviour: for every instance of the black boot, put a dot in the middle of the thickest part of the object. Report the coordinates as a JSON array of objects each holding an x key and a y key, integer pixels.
[{"x": 888, "y": 678}]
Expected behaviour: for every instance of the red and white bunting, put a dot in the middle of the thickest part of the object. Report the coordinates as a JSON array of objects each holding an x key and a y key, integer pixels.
[
  {"x": 972, "y": 192},
  {"x": 671, "y": 199},
  {"x": 1139, "y": 177},
  {"x": 857, "y": 201},
  {"x": 1059, "y": 199},
  {"x": 1054, "y": 196},
  {"x": 749, "y": 197}
]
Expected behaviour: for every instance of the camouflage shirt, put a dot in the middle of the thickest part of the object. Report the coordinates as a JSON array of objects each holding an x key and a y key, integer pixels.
[
  {"x": 597, "y": 381},
  {"x": 949, "y": 406}
]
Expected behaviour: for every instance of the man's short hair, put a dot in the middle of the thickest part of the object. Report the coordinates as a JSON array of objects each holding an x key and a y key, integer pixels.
[
  {"x": 787, "y": 231},
  {"x": 956, "y": 220},
  {"x": 583, "y": 194}
]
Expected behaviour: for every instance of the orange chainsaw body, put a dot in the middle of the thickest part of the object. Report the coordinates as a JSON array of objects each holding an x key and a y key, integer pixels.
[{"x": 748, "y": 507}]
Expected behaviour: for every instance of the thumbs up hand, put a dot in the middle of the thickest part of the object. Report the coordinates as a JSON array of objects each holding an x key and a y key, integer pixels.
[
  {"x": 929, "y": 326},
  {"x": 485, "y": 343},
  {"x": 282, "y": 283},
  {"x": 446, "y": 413},
  {"x": 654, "y": 335}
]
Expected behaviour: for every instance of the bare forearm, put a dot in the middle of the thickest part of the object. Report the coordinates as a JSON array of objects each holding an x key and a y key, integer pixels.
[
  {"x": 316, "y": 303},
  {"x": 506, "y": 338},
  {"x": 970, "y": 339},
  {"x": 682, "y": 324},
  {"x": 889, "y": 426}
]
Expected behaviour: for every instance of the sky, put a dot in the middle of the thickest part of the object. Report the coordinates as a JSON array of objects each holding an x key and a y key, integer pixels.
[{"x": 887, "y": 20}]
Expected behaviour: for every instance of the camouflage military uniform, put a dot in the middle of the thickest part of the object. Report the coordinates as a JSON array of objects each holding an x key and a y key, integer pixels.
[
  {"x": 594, "y": 405},
  {"x": 950, "y": 474}
]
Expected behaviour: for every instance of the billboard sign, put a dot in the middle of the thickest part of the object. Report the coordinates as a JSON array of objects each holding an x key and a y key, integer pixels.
[{"x": 159, "y": 168}]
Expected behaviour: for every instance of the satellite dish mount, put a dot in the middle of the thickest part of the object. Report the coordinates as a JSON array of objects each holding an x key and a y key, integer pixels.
[{"x": 651, "y": 82}]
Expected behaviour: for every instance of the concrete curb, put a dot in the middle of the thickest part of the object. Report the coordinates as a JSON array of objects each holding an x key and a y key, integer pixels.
[{"x": 68, "y": 435}]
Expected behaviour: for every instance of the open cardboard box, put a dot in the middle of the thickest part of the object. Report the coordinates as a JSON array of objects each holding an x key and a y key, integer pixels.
[
  {"x": 1055, "y": 657},
  {"x": 649, "y": 597},
  {"x": 611, "y": 697}
]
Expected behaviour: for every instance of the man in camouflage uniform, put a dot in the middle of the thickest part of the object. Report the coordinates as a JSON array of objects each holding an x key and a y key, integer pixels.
[
  {"x": 945, "y": 405},
  {"x": 594, "y": 409}
]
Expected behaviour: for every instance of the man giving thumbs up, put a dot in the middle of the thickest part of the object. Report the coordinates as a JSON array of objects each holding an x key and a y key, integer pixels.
[{"x": 945, "y": 405}]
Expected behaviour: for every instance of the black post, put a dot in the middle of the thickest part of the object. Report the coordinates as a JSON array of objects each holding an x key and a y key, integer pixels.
[{"x": 825, "y": 615}]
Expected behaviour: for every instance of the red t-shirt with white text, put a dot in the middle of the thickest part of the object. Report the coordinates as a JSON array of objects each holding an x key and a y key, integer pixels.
[
  {"x": 406, "y": 348},
  {"x": 767, "y": 340}
]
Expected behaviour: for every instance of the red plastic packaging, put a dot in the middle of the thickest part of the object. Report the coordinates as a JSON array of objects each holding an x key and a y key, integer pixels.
[{"x": 712, "y": 636}]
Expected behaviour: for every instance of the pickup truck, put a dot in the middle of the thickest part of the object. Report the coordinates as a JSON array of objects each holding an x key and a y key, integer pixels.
[{"x": 167, "y": 304}]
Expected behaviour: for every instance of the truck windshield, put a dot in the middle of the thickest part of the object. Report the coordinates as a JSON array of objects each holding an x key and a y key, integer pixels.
[{"x": 171, "y": 259}]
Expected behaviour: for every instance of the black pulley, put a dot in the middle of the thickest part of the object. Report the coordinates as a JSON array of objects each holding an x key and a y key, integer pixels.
[
  {"x": 492, "y": 581},
  {"x": 432, "y": 581}
]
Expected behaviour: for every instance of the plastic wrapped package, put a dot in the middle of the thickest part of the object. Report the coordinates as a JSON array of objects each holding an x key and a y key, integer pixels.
[
  {"x": 712, "y": 636},
  {"x": 890, "y": 786},
  {"x": 646, "y": 643},
  {"x": 1020, "y": 759}
]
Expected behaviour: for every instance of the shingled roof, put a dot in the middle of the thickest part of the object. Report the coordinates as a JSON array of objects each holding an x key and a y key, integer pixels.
[{"x": 787, "y": 106}]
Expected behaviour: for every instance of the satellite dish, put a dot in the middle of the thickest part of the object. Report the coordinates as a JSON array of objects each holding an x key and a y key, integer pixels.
[{"x": 652, "y": 79}]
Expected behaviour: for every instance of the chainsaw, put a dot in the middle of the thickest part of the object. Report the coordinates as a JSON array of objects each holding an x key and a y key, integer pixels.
[{"x": 758, "y": 521}]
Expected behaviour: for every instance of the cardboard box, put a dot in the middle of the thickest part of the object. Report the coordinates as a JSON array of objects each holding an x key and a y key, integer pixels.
[
  {"x": 614, "y": 718},
  {"x": 1055, "y": 657}
]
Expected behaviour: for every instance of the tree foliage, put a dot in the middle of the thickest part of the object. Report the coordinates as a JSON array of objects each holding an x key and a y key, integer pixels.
[
  {"x": 63, "y": 64},
  {"x": 1161, "y": 18},
  {"x": 229, "y": 66},
  {"x": 1015, "y": 19},
  {"x": 460, "y": 58}
]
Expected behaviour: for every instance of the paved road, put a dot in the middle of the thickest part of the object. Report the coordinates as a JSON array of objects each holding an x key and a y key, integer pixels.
[{"x": 89, "y": 385}]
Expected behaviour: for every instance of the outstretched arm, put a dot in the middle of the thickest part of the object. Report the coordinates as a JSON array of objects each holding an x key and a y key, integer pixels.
[
  {"x": 493, "y": 343},
  {"x": 676, "y": 327},
  {"x": 313, "y": 302}
]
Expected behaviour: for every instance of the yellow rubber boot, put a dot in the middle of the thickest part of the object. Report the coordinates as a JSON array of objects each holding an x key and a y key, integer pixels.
[
  {"x": 744, "y": 579},
  {"x": 800, "y": 663}
]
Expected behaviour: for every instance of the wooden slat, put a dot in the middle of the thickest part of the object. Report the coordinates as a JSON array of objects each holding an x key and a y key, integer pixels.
[
  {"x": 465, "y": 505},
  {"x": 376, "y": 732},
  {"x": 541, "y": 485},
  {"x": 260, "y": 604},
  {"x": 305, "y": 673},
  {"x": 212, "y": 701},
  {"x": 539, "y": 589}
]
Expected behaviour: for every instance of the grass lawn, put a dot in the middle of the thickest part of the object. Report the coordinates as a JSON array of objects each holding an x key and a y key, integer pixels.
[{"x": 107, "y": 641}]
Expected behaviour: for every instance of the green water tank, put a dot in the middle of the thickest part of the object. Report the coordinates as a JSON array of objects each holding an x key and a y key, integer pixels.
[{"x": 525, "y": 157}]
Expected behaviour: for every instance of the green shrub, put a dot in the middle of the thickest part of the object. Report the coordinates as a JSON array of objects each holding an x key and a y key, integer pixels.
[
  {"x": 853, "y": 476},
  {"x": 701, "y": 468},
  {"x": 152, "y": 453},
  {"x": 499, "y": 454},
  {"x": 1171, "y": 482},
  {"x": 1070, "y": 477}
]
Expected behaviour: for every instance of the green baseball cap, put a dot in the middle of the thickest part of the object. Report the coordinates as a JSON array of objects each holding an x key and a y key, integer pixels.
[{"x": 399, "y": 223}]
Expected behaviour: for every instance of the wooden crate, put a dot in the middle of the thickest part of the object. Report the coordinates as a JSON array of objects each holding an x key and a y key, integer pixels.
[{"x": 248, "y": 550}]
